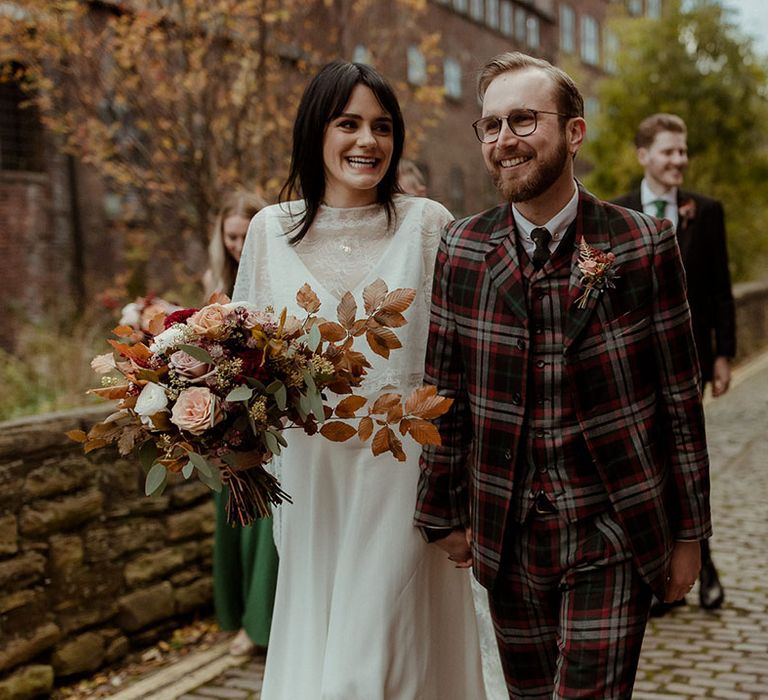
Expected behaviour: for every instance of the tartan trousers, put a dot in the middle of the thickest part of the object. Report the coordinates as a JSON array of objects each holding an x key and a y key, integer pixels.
[{"x": 569, "y": 609}]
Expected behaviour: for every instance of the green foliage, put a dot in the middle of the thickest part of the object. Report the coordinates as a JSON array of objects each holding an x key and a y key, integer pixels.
[{"x": 693, "y": 63}]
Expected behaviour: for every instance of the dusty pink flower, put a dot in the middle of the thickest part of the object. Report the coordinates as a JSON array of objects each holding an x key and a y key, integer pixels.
[
  {"x": 210, "y": 321},
  {"x": 187, "y": 366},
  {"x": 196, "y": 410}
]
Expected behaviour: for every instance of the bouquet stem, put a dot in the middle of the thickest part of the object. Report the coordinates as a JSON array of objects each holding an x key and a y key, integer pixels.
[{"x": 250, "y": 494}]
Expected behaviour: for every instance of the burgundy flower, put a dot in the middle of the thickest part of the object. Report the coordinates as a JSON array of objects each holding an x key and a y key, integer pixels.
[
  {"x": 252, "y": 366},
  {"x": 178, "y": 317}
]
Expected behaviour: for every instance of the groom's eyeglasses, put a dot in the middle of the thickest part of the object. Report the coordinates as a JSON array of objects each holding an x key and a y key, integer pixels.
[{"x": 521, "y": 122}]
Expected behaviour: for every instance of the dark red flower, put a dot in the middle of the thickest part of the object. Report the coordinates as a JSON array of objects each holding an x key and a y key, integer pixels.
[
  {"x": 178, "y": 317},
  {"x": 252, "y": 367}
]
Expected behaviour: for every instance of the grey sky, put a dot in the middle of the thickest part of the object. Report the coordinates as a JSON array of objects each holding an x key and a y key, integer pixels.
[{"x": 752, "y": 18}]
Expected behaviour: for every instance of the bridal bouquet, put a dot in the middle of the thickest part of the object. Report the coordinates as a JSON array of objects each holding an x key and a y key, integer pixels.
[{"x": 215, "y": 390}]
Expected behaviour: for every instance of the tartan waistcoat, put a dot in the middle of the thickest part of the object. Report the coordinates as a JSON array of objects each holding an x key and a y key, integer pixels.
[{"x": 553, "y": 456}]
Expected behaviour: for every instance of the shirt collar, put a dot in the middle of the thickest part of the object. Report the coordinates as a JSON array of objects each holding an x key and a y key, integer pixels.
[
  {"x": 557, "y": 225},
  {"x": 647, "y": 195}
]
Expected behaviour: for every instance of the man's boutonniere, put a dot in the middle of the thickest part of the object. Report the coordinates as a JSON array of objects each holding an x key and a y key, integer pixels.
[
  {"x": 597, "y": 271},
  {"x": 686, "y": 212}
]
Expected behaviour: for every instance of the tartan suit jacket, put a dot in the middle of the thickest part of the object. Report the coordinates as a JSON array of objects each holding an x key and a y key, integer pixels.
[
  {"x": 705, "y": 258},
  {"x": 628, "y": 358}
]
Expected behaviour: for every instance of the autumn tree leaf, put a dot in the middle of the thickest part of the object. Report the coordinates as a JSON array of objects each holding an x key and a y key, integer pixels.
[
  {"x": 332, "y": 332},
  {"x": 76, "y": 435},
  {"x": 395, "y": 413},
  {"x": 123, "y": 331},
  {"x": 307, "y": 299},
  {"x": 384, "y": 402},
  {"x": 425, "y": 402},
  {"x": 391, "y": 319},
  {"x": 337, "y": 431},
  {"x": 156, "y": 323},
  {"x": 347, "y": 310},
  {"x": 398, "y": 300},
  {"x": 127, "y": 440},
  {"x": 365, "y": 428},
  {"x": 348, "y": 406},
  {"x": 373, "y": 295},
  {"x": 382, "y": 340},
  {"x": 424, "y": 432},
  {"x": 380, "y": 443}
]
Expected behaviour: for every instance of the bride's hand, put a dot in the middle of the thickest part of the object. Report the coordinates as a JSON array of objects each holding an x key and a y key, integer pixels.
[{"x": 457, "y": 547}]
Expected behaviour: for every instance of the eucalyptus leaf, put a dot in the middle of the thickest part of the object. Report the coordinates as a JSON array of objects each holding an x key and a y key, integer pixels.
[
  {"x": 281, "y": 439},
  {"x": 256, "y": 384},
  {"x": 281, "y": 394},
  {"x": 155, "y": 481},
  {"x": 198, "y": 353},
  {"x": 314, "y": 338},
  {"x": 201, "y": 464},
  {"x": 317, "y": 405},
  {"x": 187, "y": 469},
  {"x": 309, "y": 380},
  {"x": 147, "y": 455},
  {"x": 212, "y": 481},
  {"x": 271, "y": 442},
  {"x": 239, "y": 393},
  {"x": 304, "y": 407}
]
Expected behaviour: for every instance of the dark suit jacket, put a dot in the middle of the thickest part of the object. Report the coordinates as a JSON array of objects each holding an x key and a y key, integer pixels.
[
  {"x": 629, "y": 361},
  {"x": 701, "y": 238}
]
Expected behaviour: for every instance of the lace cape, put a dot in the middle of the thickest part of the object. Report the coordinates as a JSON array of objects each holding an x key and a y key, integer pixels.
[{"x": 345, "y": 250}]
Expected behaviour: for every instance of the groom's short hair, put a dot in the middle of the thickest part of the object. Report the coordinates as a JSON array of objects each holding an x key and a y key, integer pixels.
[
  {"x": 651, "y": 126},
  {"x": 569, "y": 99}
]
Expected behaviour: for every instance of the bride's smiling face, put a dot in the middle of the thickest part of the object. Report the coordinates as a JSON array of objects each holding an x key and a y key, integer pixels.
[{"x": 357, "y": 150}]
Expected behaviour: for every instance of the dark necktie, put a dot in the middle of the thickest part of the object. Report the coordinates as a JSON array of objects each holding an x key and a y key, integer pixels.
[
  {"x": 661, "y": 208},
  {"x": 541, "y": 237}
]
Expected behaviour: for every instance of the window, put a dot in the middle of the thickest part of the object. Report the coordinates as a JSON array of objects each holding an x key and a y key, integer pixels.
[
  {"x": 452, "y": 78},
  {"x": 417, "y": 66},
  {"x": 610, "y": 50},
  {"x": 567, "y": 29},
  {"x": 653, "y": 9},
  {"x": 590, "y": 50},
  {"x": 507, "y": 26},
  {"x": 591, "y": 111},
  {"x": 21, "y": 134},
  {"x": 635, "y": 7},
  {"x": 361, "y": 55},
  {"x": 532, "y": 32},
  {"x": 492, "y": 13},
  {"x": 476, "y": 10},
  {"x": 456, "y": 189},
  {"x": 460, "y": 5},
  {"x": 520, "y": 29}
]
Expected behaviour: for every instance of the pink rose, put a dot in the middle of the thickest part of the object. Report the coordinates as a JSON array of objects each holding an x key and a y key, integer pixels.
[
  {"x": 196, "y": 410},
  {"x": 187, "y": 366},
  {"x": 589, "y": 267},
  {"x": 210, "y": 321}
]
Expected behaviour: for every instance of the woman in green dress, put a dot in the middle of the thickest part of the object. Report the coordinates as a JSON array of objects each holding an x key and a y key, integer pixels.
[{"x": 244, "y": 558}]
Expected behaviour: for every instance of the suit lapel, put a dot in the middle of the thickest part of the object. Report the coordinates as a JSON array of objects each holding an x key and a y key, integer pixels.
[
  {"x": 685, "y": 226},
  {"x": 504, "y": 264},
  {"x": 592, "y": 226}
]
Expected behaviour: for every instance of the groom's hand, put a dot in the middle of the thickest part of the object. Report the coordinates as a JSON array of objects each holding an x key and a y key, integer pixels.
[{"x": 457, "y": 547}]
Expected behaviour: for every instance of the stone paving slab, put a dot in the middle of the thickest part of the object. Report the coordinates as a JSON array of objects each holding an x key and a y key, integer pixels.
[{"x": 691, "y": 654}]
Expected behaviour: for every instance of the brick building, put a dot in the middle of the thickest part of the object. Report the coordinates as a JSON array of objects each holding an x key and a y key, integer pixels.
[{"x": 56, "y": 250}]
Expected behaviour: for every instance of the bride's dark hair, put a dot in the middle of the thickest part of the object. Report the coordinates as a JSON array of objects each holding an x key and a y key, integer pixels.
[{"x": 324, "y": 99}]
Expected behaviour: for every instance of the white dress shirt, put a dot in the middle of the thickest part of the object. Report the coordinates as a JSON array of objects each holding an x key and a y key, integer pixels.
[
  {"x": 648, "y": 198},
  {"x": 557, "y": 225}
]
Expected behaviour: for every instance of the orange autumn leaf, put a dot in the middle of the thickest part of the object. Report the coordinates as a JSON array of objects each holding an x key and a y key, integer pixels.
[
  {"x": 391, "y": 319},
  {"x": 332, "y": 332},
  {"x": 380, "y": 443},
  {"x": 337, "y": 431},
  {"x": 424, "y": 432},
  {"x": 76, "y": 435},
  {"x": 348, "y": 406},
  {"x": 218, "y": 298},
  {"x": 307, "y": 299},
  {"x": 156, "y": 324},
  {"x": 398, "y": 300},
  {"x": 92, "y": 445},
  {"x": 365, "y": 428},
  {"x": 110, "y": 392},
  {"x": 347, "y": 310},
  {"x": 373, "y": 295},
  {"x": 123, "y": 331},
  {"x": 425, "y": 402},
  {"x": 384, "y": 402}
]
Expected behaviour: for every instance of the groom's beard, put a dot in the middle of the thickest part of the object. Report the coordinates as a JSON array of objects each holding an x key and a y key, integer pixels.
[{"x": 537, "y": 182}]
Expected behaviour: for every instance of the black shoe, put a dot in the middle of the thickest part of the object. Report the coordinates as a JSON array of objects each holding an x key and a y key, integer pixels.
[
  {"x": 711, "y": 593},
  {"x": 659, "y": 608}
]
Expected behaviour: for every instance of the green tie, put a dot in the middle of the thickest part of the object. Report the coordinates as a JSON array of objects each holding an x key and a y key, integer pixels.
[{"x": 661, "y": 208}]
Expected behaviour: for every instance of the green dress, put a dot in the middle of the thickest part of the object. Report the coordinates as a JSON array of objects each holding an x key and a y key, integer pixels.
[{"x": 244, "y": 574}]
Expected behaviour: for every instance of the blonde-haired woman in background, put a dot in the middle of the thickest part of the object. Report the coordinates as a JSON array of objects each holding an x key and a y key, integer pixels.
[{"x": 244, "y": 558}]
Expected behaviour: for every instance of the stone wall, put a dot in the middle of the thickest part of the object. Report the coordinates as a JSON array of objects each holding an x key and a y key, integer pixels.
[
  {"x": 89, "y": 566},
  {"x": 751, "y": 318}
]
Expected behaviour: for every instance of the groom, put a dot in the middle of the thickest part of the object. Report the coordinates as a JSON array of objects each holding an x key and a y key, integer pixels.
[{"x": 573, "y": 470}]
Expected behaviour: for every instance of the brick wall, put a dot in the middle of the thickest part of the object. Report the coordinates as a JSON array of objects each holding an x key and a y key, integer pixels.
[{"x": 89, "y": 566}]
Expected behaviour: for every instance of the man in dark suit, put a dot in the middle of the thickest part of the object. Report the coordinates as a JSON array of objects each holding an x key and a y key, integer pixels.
[
  {"x": 662, "y": 151},
  {"x": 573, "y": 470}
]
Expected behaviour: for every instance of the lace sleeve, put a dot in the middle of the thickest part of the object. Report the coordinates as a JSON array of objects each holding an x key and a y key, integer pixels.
[
  {"x": 253, "y": 272},
  {"x": 435, "y": 218}
]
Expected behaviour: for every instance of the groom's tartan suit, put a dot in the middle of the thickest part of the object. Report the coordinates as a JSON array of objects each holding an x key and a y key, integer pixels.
[{"x": 628, "y": 360}]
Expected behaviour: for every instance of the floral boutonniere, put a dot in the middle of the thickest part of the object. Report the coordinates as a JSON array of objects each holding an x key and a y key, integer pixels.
[
  {"x": 597, "y": 271},
  {"x": 686, "y": 212}
]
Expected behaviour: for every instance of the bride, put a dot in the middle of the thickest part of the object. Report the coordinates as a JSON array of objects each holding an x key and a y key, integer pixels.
[{"x": 365, "y": 608}]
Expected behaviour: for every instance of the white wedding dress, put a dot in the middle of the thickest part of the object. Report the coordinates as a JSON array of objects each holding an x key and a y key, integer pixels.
[{"x": 365, "y": 609}]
